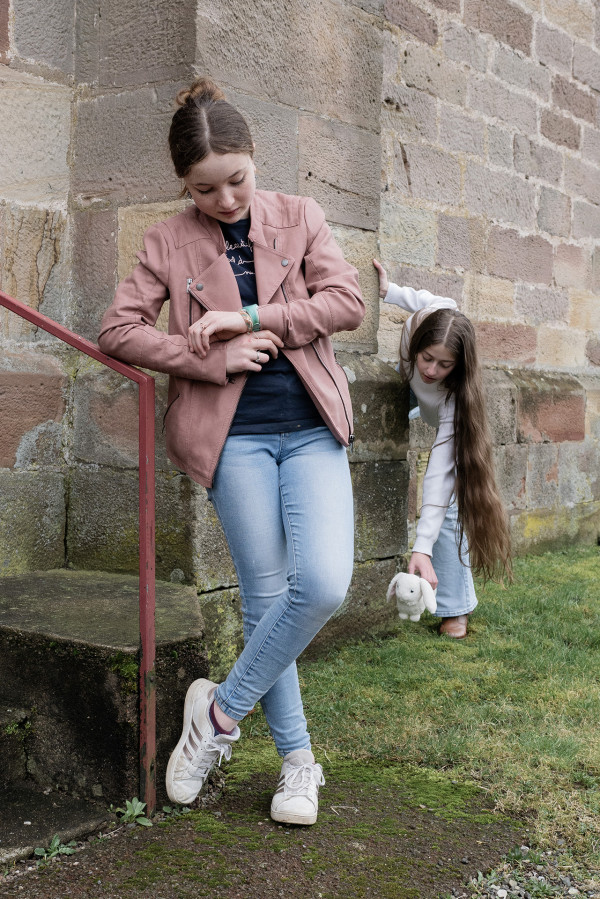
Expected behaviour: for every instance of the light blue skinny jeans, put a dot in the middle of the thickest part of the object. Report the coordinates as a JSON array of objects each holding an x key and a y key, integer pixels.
[
  {"x": 456, "y": 591},
  {"x": 285, "y": 504}
]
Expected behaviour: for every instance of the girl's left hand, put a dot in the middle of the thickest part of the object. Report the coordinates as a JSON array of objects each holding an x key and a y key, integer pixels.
[
  {"x": 225, "y": 325},
  {"x": 383, "y": 278},
  {"x": 421, "y": 563}
]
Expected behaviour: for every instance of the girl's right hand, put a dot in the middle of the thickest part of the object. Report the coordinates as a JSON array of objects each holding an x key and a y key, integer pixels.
[
  {"x": 420, "y": 563},
  {"x": 383, "y": 278},
  {"x": 249, "y": 352}
]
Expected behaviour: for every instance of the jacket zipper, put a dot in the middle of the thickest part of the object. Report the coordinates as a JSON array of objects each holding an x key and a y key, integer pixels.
[
  {"x": 350, "y": 434},
  {"x": 164, "y": 422},
  {"x": 190, "y": 281}
]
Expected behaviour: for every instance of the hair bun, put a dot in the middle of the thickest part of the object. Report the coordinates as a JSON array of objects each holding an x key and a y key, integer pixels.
[{"x": 203, "y": 89}]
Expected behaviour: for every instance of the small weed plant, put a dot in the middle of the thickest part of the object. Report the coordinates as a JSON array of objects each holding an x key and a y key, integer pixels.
[
  {"x": 133, "y": 813},
  {"x": 55, "y": 849}
]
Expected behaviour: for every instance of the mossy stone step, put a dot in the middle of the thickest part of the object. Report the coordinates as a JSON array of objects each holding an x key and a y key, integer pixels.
[{"x": 69, "y": 663}]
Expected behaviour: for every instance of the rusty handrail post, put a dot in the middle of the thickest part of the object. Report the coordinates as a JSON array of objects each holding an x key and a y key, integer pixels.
[{"x": 147, "y": 520}]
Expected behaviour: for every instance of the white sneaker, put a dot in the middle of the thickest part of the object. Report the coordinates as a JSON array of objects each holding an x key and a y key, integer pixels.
[
  {"x": 199, "y": 748},
  {"x": 296, "y": 800}
]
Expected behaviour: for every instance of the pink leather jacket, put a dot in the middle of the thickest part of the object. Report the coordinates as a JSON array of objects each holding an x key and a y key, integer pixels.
[{"x": 306, "y": 293}]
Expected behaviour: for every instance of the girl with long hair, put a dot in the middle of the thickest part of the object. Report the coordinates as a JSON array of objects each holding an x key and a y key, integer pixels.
[
  {"x": 259, "y": 413},
  {"x": 463, "y": 525}
]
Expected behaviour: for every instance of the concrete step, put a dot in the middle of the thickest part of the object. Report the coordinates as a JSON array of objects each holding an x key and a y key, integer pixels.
[{"x": 69, "y": 662}]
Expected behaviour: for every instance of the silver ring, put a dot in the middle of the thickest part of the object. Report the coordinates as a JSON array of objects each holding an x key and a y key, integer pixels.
[{"x": 257, "y": 357}]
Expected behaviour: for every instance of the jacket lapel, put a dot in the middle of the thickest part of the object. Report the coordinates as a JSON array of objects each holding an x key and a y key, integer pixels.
[{"x": 216, "y": 288}]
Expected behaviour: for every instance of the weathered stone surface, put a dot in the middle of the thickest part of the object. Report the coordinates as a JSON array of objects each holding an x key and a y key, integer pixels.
[
  {"x": 506, "y": 21},
  {"x": 423, "y": 68},
  {"x": 94, "y": 268},
  {"x": 500, "y": 147},
  {"x": 541, "y": 304},
  {"x": 542, "y": 530},
  {"x": 380, "y": 492},
  {"x": 44, "y": 32},
  {"x": 586, "y": 220},
  {"x": 144, "y": 170},
  {"x": 32, "y": 521},
  {"x": 433, "y": 175},
  {"x": 33, "y": 150},
  {"x": 560, "y": 347},
  {"x": 505, "y": 342},
  {"x": 554, "y": 213},
  {"x": 582, "y": 178},
  {"x": 492, "y": 98},
  {"x": 591, "y": 385},
  {"x": 212, "y": 565},
  {"x": 537, "y": 161},
  {"x": 4, "y": 32},
  {"x": 586, "y": 65},
  {"x": 554, "y": 48},
  {"x": 339, "y": 167},
  {"x": 103, "y": 522},
  {"x": 519, "y": 258},
  {"x": 514, "y": 69},
  {"x": 542, "y": 476},
  {"x": 408, "y": 112},
  {"x": 579, "y": 474},
  {"x": 407, "y": 234},
  {"x": 460, "y": 243},
  {"x": 501, "y": 402},
  {"x": 499, "y": 196},
  {"x": 338, "y": 47},
  {"x": 460, "y": 132},
  {"x": 510, "y": 462},
  {"x": 584, "y": 310},
  {"x": 222, "y": 614},
  {"x": 32, "y": 399},
  {"x": 359, "y": 248},
  {"x": 69, "y": 655},
  {"x": 560, "y": 129},
  {"x": 465, "y": 46},
  {"x": 574, "y": 17},
  {"x": 409, "y": 17},
  {"x": 550, "y": 407},
  {"x": 380, "y": 406},
  {"x": 128, "y": 44},
  {"x": 573, "y": 99},
  {"x": 489, "y": 299}
]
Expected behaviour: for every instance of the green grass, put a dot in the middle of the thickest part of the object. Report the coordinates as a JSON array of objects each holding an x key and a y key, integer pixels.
[{"x": 514, "y": 708}]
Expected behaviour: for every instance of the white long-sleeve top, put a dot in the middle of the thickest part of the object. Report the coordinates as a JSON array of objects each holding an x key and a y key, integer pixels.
[{"x": 437, "y": 410}]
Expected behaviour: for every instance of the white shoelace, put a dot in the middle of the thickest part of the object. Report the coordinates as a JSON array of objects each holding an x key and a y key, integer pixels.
[
  {"x": 209, "y": 747},
  {"x": 299, "y": 779}
]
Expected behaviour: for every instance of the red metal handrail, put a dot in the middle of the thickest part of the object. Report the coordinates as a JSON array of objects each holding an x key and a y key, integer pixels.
[{"x": 145, "y": 384}]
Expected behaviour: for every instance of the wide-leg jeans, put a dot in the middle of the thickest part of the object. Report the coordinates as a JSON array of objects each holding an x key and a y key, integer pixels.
[
  {"x": 285, "y": 504},
  {"x": 456, "y": 590}
]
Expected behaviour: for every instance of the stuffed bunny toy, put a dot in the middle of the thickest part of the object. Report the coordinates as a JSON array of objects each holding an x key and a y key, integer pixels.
[{"x": 413, "y": 595}]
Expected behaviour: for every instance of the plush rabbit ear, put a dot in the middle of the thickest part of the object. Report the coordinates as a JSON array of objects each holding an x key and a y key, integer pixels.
[
  {"x": 428, "y": 595},
  {"x": 391, "y": 590}
]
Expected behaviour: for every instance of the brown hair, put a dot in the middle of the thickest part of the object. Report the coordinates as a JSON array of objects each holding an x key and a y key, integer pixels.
[
  {"x": 481, "y": 514},
  {"x": 206, "y": 123}
]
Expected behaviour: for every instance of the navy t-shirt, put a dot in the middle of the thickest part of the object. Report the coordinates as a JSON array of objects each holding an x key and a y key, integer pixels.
[{"x": 274, "y": 399}]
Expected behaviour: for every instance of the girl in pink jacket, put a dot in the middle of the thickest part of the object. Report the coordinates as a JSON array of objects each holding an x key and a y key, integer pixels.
[{"x": 259, "y": 412}]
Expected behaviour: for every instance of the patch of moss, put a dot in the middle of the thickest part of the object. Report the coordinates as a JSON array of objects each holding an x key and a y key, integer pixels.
[{"x": 127, "y": 669}]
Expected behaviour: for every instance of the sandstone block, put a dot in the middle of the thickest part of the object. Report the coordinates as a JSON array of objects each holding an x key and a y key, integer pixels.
[
  {"x": 586, "y": 220},
  {"x": 579, "y": 474},
  {"x": 32, "y": 521},
  {"x": 489, "y": 299},
  {"x": 443, "y": 284},
  {"x": 591, "y": 385},
  {"x": 222, "y": 616},
  {"x": 493, "y": 99},
  {"x": 576, "y": 18},
  {"x": 407, "y": 234},
  {"x": 94, "y": 268},
  {"x": 522, "y": 73},
  {"x": 103, "y": 522},
  {"x": 4, "y": 32},
  {"x": 35, "y": 140},
  {"x": 573, "y": 99},
  {"x": 460, "y": 243},
  {"x": 339, "y": 167},
  {"x": 420, "y": 67},
  {"x": 586, "y": 65},
  {"x": 287, "y": 57},
  {"x": 501, "y": 403},
  {"x": 380, "y": 491},
  {"x": 550, "y": 407},
  {"x": 125, "y": 44},
  {"x": 584, "y": 310},
  {"x": 460, "y": 133},
  {"x": 212, "y": 565},
  {"x": 433, "y": 175},
  {"x": 572, "y": 266},
  {"x": 449, "y": 5},
  {"x": 275, "y": 131},
  {"x": 536, "y": 160},
  {"x": 499, "y": 196},
  {"x": 506, "y": 21},
  {"x": 32, "y": 401},
  {"x": 543, "y": 530},
  {"x": 465, "y": 46},
  {"x": 127, "y": 164},
  {"x": 505, "y": 342},
  {"x": 380, "y": 406},
  {"x": 359, "y": 248},
  {"x": 591, "y": 145},
  {"x": 560, "y": 129},
  {"x": 554, "y": 48},
  {"x": 582, "y": 178},
  {"x": 554, "y": 213},
  {"x": 499, "y": 147},
  {"x": 542, "y": 476},
  {"x": 541, "y": 304},
  {"x": 43, "y": 33},
  {"x": 592, "y": 350},
  {"x": 409, "y": 112},
  {"x": 511, "y": 475},
  {"x": 519, "y": 258},
  {"x": 560, "y": 347},
  {"x": 412, "y": 19}
]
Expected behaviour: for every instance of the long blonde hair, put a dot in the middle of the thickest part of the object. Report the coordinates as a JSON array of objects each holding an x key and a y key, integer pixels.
[{"x": 481, "y": 513}]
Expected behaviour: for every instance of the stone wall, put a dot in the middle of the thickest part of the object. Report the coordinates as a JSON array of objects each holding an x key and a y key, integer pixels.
[{"x": 456, "y": 139}]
